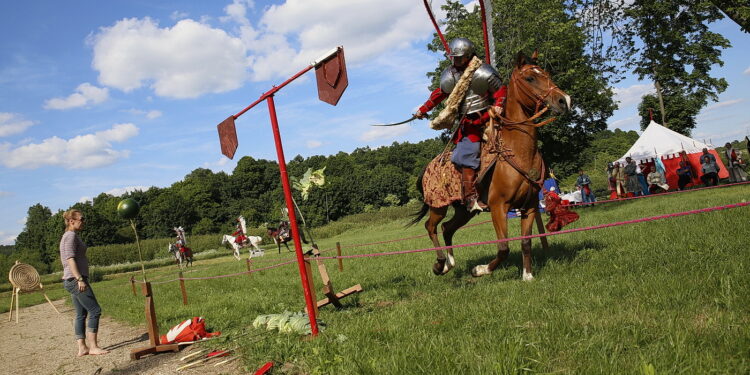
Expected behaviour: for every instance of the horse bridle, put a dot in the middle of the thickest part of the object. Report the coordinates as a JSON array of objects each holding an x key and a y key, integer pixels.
[{"x": 539, "y": 107}]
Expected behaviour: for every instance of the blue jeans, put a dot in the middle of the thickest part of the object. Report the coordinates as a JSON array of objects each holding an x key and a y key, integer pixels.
[
  {"x": 85, "y": 305},
  {"x": 588, "y": 198},
  {"x": 466, "y": 154}
]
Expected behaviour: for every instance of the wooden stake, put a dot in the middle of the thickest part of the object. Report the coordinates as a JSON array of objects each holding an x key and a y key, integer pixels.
[
  {"x": 311, "y": 283},
  {"x": 249, "y": 268},
  {"x": 132, "y": 285},
  {"x": 153, "y": 329},
  {"x": 183, "y": 290},
  {"x": 341, "y": 261}
]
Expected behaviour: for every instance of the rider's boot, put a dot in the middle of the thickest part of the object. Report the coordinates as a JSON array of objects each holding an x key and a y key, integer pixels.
[{"x": 471, "y": 197}]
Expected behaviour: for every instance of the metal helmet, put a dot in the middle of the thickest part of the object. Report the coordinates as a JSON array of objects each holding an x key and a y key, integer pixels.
[{"x": 461, "y": 47}]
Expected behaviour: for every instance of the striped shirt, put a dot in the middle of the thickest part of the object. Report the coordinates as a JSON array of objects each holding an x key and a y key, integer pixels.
[{"x": 71, "y": 246}]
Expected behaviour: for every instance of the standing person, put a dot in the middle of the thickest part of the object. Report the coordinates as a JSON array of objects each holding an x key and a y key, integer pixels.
[
  {"x": 485, "y": 91},
  {"x": 584, "y": 182},
  {"x": 710, "y": 175},
  {"x": 684, "y": 175},
  {"x": 619, "y": 180},
  {"x": 736, "y": 174},
  {"x": 632, "y": 185},
  {"x": 76, "y": 281},
  {"x": 643, "y": 171},
  {"x": 611, "y": 180}
]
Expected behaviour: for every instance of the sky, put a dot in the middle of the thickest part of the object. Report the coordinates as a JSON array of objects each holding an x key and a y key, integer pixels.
[{"x": 110, "y": 99}]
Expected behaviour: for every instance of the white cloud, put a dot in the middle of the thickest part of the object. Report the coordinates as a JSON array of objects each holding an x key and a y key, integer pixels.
[
  {"x": 726, "y": 103},
  {"x": 177, "y": 15},
  {"x": 85, "y": 94},
  {"x": 292, "y": 34},
  {"x": 11, "y": 123},
  {"x": 80, "y": 152},
  {"x": 183, "y": 61},
  {"x": 632, "y": 94},
  {"x": 128, "y": 189},
  {"x": 627, "y": 123},
  {"x": 7, "y": 238},
  {"x": 117, "y": 192},
  {"x": 384, "y": 132},
  {"x": 314, "y": 143},
  {"x": 747, "y": 71},
  {"x": 149, "y": 115}
]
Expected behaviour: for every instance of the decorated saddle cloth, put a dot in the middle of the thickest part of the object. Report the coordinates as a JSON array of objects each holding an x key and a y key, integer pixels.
[{"x": 441, "y": 182}]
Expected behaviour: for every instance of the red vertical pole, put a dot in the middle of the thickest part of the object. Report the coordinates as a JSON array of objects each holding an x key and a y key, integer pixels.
[
  {"x": 311, "y": 304},
  {"x": 486, "y": 37}
]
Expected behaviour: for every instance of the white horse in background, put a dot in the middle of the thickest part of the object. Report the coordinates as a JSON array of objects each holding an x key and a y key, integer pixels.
[
  {"x": 251, "y": 243},
  {"x": 247, "y": 241}
]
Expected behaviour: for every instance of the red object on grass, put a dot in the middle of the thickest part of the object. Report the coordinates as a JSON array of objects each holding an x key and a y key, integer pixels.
[{"x": 264, "y": 369}]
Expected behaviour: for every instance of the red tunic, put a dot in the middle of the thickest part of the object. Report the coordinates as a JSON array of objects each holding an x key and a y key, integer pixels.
[{"x": 469, "y": 128}]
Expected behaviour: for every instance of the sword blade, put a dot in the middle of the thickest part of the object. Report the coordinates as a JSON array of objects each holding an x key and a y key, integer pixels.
[{"x": 410, "y": 119}]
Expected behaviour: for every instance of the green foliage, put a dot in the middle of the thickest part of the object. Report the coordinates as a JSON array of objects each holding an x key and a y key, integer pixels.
[
  {"x": 564, "y": 47},
  {"x": 670, "y": 43},
  {"x": 643, "y": 298}
]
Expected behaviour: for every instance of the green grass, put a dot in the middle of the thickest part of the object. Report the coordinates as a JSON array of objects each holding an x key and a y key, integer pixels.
[{"x": 670, "y": 295}]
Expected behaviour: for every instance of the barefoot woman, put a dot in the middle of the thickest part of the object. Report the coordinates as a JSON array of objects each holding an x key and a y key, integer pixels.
[{"x": 75, "y": 280}]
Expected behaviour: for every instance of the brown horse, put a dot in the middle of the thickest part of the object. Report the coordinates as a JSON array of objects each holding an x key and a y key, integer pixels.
[
  {"x": 518, "y": 172},
  {"x": 283, "y": 234}
]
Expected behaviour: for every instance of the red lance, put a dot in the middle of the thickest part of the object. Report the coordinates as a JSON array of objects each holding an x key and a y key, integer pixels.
[{"x": 437, "y": 28}]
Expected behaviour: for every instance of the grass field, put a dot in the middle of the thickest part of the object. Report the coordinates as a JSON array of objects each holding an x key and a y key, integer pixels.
[{"x": 671, "y": 296}]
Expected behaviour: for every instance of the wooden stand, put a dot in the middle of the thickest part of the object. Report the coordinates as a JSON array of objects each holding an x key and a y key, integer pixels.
[
  {"x": 153, "y": 329},
  {"x": 331, "y": 296},
  {"x": 540, "y": 228},
  {"x": 16, "y": 293}
]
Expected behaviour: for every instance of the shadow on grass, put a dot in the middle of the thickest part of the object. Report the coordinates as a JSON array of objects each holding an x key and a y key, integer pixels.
[{"x": 511, "y": 268}]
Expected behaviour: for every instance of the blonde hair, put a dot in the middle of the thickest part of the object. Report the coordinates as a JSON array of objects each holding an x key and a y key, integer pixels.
[{"x": 70, "y": 215}]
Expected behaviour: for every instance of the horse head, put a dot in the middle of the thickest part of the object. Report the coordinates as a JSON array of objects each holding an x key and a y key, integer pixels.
[{"x": 536, "y": 90}]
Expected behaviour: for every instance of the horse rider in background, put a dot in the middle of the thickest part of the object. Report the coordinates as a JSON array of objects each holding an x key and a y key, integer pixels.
[{"x": 485, "y": 91}]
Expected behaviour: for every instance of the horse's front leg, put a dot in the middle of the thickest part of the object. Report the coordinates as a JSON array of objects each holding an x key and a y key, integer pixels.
[
  {"x": 236, "y": 251},
  {"x": 527, "y": 223},
  {"x": 500, "y": 222}
]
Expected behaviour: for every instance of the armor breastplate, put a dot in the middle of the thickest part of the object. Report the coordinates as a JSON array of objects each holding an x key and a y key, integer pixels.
[{"x": 479, "y": 95}]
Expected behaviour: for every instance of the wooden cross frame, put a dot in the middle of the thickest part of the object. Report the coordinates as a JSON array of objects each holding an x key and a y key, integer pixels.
[
  {"x": 153, "y": 329},
  {"x": 331, "y": 296}
]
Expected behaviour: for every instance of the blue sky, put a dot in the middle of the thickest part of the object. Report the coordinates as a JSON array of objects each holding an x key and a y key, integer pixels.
[{"x": 110, "y": 98}]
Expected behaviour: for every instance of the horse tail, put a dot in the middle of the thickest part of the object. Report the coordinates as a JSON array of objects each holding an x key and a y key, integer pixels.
[{"x": 425, "y": 208}]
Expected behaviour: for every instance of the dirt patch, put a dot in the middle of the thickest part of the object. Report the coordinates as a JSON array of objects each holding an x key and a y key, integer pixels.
[{"x": 43, "y": 343}]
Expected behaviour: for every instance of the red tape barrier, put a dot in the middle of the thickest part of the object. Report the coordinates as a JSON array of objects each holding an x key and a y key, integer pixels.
[
  {"x": 616, "y": 224},
  {"x": 573, "y": 230}
]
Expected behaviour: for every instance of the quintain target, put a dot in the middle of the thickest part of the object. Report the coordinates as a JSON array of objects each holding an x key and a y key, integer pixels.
[{"x": 24, "y": 278}]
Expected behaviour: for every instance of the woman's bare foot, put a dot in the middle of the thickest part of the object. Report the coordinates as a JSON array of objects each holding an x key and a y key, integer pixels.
[
  {"x": 98, "y": 351},
  {"x": 83, "y": 351}
]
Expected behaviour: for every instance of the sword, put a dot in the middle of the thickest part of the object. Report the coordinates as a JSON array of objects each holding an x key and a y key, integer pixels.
[{"x": 410, "y": 119}]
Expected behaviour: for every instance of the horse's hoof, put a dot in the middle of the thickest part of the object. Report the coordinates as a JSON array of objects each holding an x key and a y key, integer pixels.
[
  {"x": 527, "y": 276},
  {"x": 451, "y": 262},
  {"x": 441, "y": 267},
  {"x": 481, "y": 270}
]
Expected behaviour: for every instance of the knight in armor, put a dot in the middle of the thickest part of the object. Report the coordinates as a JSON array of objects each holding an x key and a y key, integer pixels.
[
  {"x": 239, "y": 234},
  {"x": 485, "y": 91}
]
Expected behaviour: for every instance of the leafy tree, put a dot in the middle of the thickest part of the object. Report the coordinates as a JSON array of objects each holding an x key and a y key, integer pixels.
[
  {"x": 551, "y": 27},
  {"x": 31, "y": 241},
  {"x": 738, "y": 11},
  {"x": 671, "y": 45}
]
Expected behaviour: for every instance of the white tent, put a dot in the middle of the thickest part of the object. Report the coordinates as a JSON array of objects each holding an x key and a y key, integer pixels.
[{"x": 658, "y": 140}]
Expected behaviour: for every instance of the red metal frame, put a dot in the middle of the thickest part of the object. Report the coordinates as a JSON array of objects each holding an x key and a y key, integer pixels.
[{"x": 268, "y": 96}]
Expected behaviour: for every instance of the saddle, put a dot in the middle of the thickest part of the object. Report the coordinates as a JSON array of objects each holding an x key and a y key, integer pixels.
[{"x": 441, "y": 182}]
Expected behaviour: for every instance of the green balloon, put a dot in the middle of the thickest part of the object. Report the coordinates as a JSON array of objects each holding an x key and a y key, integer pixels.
[{"x": 128, "y": 208}]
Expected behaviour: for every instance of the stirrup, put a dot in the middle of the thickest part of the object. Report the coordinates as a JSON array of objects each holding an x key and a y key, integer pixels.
[{"x": 474, "y": 205}]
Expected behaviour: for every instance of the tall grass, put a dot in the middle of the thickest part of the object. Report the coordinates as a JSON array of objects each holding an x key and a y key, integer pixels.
[{"x": 669, "y": 296}]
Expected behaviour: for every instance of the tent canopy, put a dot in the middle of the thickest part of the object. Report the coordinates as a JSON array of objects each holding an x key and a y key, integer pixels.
[{"x": 658, "y": 140}]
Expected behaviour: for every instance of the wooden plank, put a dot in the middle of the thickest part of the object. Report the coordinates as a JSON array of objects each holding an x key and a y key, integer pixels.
[
  {"x": 344, "y": 293},
  {"x": 338, "y": 253}
]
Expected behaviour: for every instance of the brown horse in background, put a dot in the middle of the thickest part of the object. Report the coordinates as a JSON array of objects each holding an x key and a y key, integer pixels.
[{"x": 517, "y": 175}]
